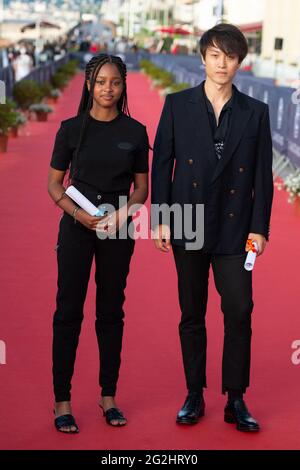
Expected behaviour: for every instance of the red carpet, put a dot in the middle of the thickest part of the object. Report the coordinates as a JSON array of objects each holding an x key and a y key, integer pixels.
[{"x": 151, "y": 386}]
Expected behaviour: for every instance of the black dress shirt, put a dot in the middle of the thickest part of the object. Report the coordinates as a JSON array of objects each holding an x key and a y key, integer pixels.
[{"x": 220, "y": 130}]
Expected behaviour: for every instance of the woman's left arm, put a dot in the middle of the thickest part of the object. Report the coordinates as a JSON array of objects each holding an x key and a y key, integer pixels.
[
  {"x": 137, "y": 198},
  {"x": 140, "y": 193}
]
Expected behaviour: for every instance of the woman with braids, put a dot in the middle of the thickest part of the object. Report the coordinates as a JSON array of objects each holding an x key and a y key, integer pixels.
[{"x": 105, "y": 151}]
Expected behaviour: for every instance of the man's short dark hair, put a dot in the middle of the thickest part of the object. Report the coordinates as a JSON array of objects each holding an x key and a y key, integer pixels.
[{"x": 226, "y": 37}]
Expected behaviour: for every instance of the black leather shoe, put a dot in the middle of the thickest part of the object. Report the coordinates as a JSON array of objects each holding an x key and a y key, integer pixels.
[
  {"x": 192, "y": 410},
  {"x": 236, "y": 412}
]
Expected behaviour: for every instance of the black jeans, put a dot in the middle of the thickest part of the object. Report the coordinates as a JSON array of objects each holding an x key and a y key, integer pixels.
[
  {"x": 234, "y": 284},
  {"x": 76, "y": 248}
]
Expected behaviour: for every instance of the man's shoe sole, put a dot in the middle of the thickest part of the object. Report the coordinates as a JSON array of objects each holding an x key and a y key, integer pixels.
[
  {"x": 228, "y": 418},
  {"x": 189, "y": 421}
]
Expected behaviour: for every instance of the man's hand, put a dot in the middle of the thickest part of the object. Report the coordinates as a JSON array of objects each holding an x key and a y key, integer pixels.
[
  {"x": 162, "y": 235},
  {"x": 260, "y": 240}
]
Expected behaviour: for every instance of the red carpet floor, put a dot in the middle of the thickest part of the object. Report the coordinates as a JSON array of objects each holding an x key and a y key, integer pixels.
[{"x": 151, "y": 386}]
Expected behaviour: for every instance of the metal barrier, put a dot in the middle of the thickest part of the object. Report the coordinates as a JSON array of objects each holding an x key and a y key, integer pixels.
[
  {"x": 43, "y": 73},
  {"x": 40, "y": 74}
]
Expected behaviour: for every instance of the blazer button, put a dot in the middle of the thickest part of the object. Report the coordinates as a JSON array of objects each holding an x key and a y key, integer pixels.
[
  {"x": 99, "y": 196},
  {"x": 232, "y": 191},
  {"x": 195, "y": 184},
  {"x": 241, "y": 169},
  {"x": 231, "y": 215},
  {"x": 190, "y": 161}
]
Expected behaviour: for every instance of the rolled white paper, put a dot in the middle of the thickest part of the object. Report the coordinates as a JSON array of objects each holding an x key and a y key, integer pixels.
[
  {"x": 250, "y": 259},
  {"x": 83, "y": 202}
]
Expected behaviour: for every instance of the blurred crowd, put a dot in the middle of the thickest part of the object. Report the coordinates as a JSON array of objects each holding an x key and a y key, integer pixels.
[
  {"x": 25, "y": 55},
  {"x": 119, "y": 45}
]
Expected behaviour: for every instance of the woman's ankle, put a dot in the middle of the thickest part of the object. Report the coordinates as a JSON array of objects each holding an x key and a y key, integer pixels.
[
  {"x": 63, "y": 407},
  {"x": 107, "y": 401}
]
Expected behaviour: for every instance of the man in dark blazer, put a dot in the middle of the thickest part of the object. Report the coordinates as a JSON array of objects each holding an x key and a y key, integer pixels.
[{"x": 213, "y": 147}]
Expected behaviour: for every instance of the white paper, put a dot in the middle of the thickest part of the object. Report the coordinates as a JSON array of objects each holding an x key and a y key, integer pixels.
[
  {"x": 82, "y": 201},
  {"x": 250, "y": 259}
]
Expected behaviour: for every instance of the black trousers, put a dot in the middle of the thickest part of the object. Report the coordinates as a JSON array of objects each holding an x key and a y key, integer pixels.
[
  {"x": 234, "y": 284},
  {"x": 76, "y": 248}
]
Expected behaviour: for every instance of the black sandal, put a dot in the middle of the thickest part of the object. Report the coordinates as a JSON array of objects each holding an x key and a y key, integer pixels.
[
  {"x": 114, "y": 414},
  {"x": 66, "y": 420}
]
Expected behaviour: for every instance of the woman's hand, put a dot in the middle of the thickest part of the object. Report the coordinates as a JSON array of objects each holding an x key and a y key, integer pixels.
[
  {"x": 89, "y": 221},
  {"x": 113, "y": 222}
]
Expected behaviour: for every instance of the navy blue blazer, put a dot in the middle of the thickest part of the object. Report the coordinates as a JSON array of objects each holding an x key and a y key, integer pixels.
[{"x": 237, "y": 190}]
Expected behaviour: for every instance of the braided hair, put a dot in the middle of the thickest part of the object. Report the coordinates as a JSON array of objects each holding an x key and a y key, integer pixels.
[{"x": 91, "y": 72}]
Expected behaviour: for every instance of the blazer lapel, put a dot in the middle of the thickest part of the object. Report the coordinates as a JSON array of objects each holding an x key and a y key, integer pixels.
[
  {"x": 197, "y": 113},
  {"x": 240, "y": 116}
]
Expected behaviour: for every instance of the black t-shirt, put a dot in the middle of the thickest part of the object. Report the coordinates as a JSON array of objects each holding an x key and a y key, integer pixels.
[{"x": 110, "y": 152}]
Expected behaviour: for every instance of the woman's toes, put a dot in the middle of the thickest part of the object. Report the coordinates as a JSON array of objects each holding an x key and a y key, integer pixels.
[
  {"x": 122, "y": 422},
  {"x": 117, "y": 422},
  {"x": 68, "y": 429}
]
